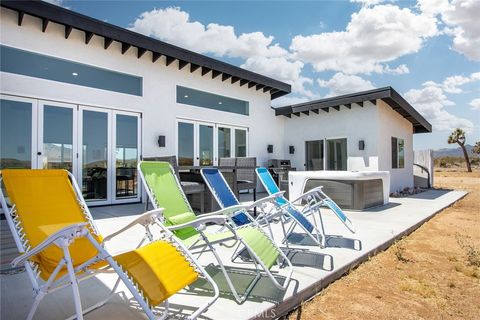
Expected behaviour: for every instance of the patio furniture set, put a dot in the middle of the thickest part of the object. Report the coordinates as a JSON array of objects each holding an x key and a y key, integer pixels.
[{"x": 61, "y": 246}]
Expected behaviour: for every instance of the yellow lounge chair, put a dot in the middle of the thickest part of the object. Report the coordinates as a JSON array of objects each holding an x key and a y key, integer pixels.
[{"x": 60, "y": 245}]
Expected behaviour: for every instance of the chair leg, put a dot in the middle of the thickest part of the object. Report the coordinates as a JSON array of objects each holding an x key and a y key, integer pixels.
[{"x": 73, "y": 279}]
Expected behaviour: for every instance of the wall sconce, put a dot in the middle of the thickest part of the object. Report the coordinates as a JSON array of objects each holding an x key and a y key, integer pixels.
[
  {"x": 361, "y": 145},
  {"x": 270, "y": 148},
  {"x": 291, "y": 149},
  {"x": 161, "y": 141}
]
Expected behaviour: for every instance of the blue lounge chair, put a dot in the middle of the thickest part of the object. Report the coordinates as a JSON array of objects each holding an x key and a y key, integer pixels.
[
  {"x": 281, "y": 209},
  {"x": 314, "y": 198}
]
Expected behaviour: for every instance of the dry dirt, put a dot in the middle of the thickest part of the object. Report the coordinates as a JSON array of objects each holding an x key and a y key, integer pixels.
[{"x": 434, "y": 273}]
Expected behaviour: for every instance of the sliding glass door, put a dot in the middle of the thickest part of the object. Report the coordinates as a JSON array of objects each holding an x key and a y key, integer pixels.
[
  {"x": 337, "y": 154},
  {"x": 314, "y": 155}
]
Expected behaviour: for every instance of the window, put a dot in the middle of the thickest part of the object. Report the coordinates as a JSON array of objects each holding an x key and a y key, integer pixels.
[
  {"x": 211, "y": 101},
  {"x": 337, "y": 154},
  {"x": 240, "y": 143},
  {"x": 398, "y": 153},
  {"x": 46, "y": 67},
  {"x": 224, "y": 142}
]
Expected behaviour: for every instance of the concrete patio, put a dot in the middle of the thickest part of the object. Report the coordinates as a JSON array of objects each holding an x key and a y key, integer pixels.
[{"x": 314, "y": 268}]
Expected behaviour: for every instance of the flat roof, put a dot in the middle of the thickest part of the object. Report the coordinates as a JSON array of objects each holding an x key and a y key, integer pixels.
[
  {"x": 387, "y": 94},
  {"x": 209, "y": 67}
]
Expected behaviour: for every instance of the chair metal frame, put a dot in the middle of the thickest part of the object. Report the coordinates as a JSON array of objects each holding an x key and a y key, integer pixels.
[
  {"x": 223, "y": 218},
  {"x": 66, "y": 236}
]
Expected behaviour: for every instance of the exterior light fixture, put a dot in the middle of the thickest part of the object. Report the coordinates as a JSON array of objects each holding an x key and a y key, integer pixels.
[
  {"x": 219, "y": 102},
  {"x": 186, "y": 96},
  {"x": 161, "y": 141},
  {"x": 361, "y": 145},
  {"x": 291, "y": 149},
  {"x": 74, "y": 74},
  {"x": 270, "y": 148}
]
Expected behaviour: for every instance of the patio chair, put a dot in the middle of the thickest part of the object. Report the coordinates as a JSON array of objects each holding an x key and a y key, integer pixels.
[
  {"x": 189, "y": 187},
  {"x": 243, "y": 177},
  {"x": 314, "y": 199},
  {"x": 61, "y": 246},
  {"x": 225, "y": 198},
  {"x": 164, "y": 190}
]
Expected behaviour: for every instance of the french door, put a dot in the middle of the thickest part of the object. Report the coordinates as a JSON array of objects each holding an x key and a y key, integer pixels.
[
  {"x": 100, "y": 147},
  {"x": 204, "y": 143}
]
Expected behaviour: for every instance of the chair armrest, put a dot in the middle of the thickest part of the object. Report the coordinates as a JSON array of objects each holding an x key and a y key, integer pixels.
[
  {"x": 267, "y": 199},
  {"x": 200, "y": 223},
  {"x": 145, "y": 219},
  {"x": 308, "y": 193},
  {"x": 59, "y": 238},
  {"x": 226, "y": 212}
]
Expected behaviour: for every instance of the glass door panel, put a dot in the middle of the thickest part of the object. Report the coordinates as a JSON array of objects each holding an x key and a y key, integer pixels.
[
  {"x": 205, "y": 145},
  {"x": 240, "y": 143},
  {"x": 185, "y": 144},
  {"x": 224, "y": 142},
  {"x": 57, "y": 144},
  {"x": 337, "y": 154},
  {"x": 94, "y": 155},
  {"x": 16, "y": 141},
  {"x": 314, "y": 155},
  {"x": 126, "y": 156}
]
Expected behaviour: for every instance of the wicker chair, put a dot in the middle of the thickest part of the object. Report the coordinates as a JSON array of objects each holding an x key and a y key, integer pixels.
[
  {"x": 189, "y": 187},
  {"x": 247, "y": 178}
]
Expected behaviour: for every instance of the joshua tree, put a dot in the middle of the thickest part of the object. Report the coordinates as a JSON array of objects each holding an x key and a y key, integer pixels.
[
  {"x": 476, "y": 148},
  {"x": 458, "y": 136}
]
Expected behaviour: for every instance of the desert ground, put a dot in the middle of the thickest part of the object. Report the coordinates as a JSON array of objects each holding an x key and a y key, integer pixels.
[{"x": 434, "y": 273}]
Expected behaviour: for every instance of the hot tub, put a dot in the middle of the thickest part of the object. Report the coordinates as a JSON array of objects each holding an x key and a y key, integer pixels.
[{"x": 355, "y": 190}]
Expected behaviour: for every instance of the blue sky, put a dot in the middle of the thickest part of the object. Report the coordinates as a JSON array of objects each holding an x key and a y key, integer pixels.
[{"x": 428, "y": 50}]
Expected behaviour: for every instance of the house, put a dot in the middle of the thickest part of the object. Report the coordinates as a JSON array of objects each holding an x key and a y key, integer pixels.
[{"x": 84, "y": 95}]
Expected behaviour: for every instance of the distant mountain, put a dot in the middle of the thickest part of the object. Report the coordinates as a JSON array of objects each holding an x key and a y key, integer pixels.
[{"x": 452, "y": 152}]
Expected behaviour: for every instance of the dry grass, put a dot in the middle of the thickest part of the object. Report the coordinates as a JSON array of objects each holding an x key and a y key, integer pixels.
[{"x": 434, "y": 273}]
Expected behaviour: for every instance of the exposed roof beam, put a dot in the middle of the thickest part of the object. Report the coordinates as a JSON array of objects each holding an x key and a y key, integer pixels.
[
  {"x": 336, "y": 108},
  {"x": 20, "y": 17},
  {"x": 225, "y": 76},
  {"x": 155, "y": 56},
  {"x": 296, "y": 113},
  {"x": 205, "y": 70},
  {"x": 140, "y": 52},
  {"x": 45, "y": 22},
  {"x": 169, "y": 60},
  {"x": 374, "y": 101},
  {"x": 251, "y": 84},
  {"x": 259, "y": 86},
  {"x": 88, "y": 37},
  {"x": 68, "y": 30},
  {"x": 266, "y": 89},
  {"x": 125, "y": 47},
  {"x": 243, "y": 82},
  {"x": 326, "y": 109},
  {"x": 348, "y": 105},
  {"x": 360, "y": 103},
  {"x": 288, "y": 115},
  {"x": 235, "y": 79},
  {"x": 181, "y": 64},
  {"x": 314, "y": 111},
  {"x": 107, "y": 42},
  {"x": 193, "y": 67},
  {"x": 215, "y": 74},
  {"x": 306, "y": 112}
]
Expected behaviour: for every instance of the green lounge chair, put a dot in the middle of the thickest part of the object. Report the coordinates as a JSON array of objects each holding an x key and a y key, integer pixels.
[{"x": 164, "y": 191}]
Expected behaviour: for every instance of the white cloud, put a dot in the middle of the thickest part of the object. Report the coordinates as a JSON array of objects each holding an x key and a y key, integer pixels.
[
  {"x": 461, "y": 18},
  {"x": 452, "y": 84},
  {"x": 431, "y": 101},
  {"x": 374, "y": 36},
  {"x": 344, "y": 84},
  {"x": 261, "y": 55},
  {"x": 475, "y": 103}
]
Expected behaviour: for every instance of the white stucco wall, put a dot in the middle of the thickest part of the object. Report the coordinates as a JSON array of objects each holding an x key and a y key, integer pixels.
[
  {"x": 158, "y": 103},
  {"x": 392, "y": 124},
  {"x": 354, "y": 124}
]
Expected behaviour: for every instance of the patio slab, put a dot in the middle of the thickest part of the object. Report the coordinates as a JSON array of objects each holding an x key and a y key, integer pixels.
[{"x": 314, "y": 268}]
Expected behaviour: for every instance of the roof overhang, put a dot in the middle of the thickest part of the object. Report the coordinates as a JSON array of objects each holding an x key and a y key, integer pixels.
[
  {"x": 387, "y": 94},
  {"x": 209, "y": 67}
]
